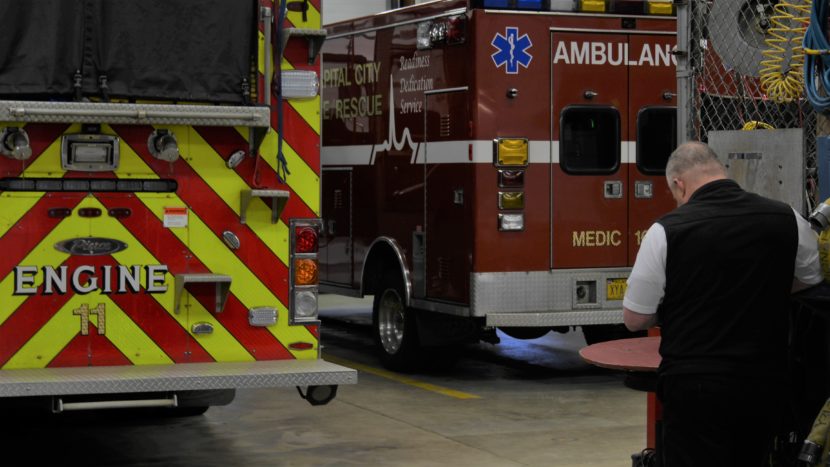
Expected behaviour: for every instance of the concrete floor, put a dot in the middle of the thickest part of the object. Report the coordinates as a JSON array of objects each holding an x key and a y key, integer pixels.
[{"x": 522, "y": 403}]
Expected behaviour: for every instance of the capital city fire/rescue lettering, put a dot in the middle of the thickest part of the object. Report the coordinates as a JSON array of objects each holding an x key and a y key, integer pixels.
[
  {"x": 613, "y": 53},
  {"x": 595, "y": 238},
  {"x": 87, "y": 279}
]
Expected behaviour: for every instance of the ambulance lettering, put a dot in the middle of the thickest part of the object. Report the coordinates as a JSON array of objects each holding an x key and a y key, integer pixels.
[
  {"x": 613, "y": 53},
  {"x": 86, "y": 279},
  {"x": 597, "y": 238}
]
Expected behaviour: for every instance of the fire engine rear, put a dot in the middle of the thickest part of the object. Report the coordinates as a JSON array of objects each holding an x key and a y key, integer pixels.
[
  {"x": 494, "y": 164},
  {"x": 158, "y": 202}
]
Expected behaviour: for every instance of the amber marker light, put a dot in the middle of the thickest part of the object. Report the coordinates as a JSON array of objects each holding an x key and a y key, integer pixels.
[
  {"x": 511, "y": 200},
  {"x": 305, "y": 271},
  {"x": 511, "y": 151}
]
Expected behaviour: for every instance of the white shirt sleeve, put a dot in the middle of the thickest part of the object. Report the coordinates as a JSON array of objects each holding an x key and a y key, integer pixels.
[
  {"x": 807, "y": 266},
  {"x": 647, "y": 282}
]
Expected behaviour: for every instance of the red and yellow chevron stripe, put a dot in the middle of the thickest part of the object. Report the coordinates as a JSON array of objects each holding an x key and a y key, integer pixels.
[{"x": 103, "y": 326}]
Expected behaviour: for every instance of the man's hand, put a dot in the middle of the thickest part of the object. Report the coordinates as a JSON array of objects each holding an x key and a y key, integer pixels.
[{"x": 638, "y": 321}]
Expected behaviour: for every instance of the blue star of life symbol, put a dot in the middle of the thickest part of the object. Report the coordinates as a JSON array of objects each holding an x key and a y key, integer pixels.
[{"x": 511, "y": 50}]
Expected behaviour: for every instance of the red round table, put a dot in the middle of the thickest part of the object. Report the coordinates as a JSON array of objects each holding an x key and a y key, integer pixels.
[{"x": 637, "y": 355}]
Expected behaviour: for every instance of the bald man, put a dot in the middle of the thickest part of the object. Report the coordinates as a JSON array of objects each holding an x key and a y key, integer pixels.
[{"x": 716, "y": 274}]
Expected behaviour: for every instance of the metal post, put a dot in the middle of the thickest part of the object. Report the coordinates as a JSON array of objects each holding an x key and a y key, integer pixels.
[
  {"x": 685, "y": 75},
  {"x": 267, "y": 19}
]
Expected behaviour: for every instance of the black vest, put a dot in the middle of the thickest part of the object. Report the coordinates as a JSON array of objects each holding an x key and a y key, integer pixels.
[{"x": 729, "y": 269}]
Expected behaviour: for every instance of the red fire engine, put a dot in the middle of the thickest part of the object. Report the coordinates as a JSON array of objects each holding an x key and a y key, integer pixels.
[
  {"x": 159, "y": 202},
  {"x": 493, "y": 164}
]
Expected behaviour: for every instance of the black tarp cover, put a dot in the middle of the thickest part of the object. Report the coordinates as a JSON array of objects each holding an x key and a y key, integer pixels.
[{"x": 147, "y": 49}]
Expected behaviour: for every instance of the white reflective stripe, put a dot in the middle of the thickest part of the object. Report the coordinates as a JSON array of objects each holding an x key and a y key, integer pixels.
[
  {"x": 628, "y": 152},
  {"x": 457, "y": 152}
]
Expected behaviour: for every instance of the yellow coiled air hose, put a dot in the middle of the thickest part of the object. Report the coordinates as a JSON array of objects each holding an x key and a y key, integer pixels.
[
  {"x": 757, "y": 125},
  {"x": 789, "y": 23},
  {"x": 815, "y": 449}
]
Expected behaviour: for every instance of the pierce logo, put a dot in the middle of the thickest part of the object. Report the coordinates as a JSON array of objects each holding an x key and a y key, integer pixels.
[{"x": 91, "y": 246}]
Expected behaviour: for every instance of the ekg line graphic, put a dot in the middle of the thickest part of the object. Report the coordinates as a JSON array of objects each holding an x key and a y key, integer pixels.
[{"x": 392, "y": 141}]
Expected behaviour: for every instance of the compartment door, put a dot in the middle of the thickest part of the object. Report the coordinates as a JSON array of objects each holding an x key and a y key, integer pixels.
[
  {"x": 336, "y": 252},
  {"x": 590, "y": 180},
  {"x": 448, "y": 192},
  {"x": 652, "y": 124}
]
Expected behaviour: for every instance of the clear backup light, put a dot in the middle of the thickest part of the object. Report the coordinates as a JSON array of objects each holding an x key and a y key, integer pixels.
[
  {"x": 511, "y": 222},
  {"x": 305, "y": 304},
  {"x": 299, "y": 84}
]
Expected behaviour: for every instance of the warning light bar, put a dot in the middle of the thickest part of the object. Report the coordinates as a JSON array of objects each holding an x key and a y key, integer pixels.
[
  {"x": 514, "y": 4},
  {"x": 626, "y": 7},
  {"x": 89, "y": 184},
  {"x": 441, "y": 31}
]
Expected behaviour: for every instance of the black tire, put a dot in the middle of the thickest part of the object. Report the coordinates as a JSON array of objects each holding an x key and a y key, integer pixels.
[
  {"x": 393, "y": 326},
  {"x": 608, "y": 332}
]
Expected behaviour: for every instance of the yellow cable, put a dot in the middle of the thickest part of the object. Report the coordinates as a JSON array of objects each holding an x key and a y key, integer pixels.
[
  {"x": 782, "y": 85},
  {"x": 756, "y": 125}
]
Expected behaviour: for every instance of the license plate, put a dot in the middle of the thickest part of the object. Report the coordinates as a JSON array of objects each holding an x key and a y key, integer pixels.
[{"x": 615, "y": 288}]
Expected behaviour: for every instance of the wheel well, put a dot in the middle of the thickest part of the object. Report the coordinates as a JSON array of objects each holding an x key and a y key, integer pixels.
[{"x": 381, "y": 259}]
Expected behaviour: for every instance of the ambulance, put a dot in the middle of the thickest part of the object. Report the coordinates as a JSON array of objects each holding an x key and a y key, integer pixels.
[{"x": 493, "y": 164}]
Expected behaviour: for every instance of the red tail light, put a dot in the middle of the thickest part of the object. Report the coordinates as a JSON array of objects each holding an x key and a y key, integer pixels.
[
  {"x": 456, "y": 29},
  {"x": 306, "y": 239}
]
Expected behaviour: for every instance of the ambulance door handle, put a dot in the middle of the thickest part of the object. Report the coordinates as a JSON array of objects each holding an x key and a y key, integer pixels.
[
  {"x": 643, "y": 189},
  {"x": 458, "y": 197},
  {"x": 613, "y": 189},
  {"x": 330, "y": 227}
]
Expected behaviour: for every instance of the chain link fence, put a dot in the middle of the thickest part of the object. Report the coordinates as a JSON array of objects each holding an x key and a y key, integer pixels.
[{"x": 733, "y": 47}]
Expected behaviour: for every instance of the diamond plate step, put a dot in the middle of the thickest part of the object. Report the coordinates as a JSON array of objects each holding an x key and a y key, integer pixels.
[{"x": 178, "y": 377}]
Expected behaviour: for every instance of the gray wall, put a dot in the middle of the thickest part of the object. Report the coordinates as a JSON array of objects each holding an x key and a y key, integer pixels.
[{"x": 338, "y": 10}]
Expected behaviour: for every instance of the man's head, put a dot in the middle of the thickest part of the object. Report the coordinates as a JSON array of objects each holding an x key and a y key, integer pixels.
[{"x": 691, "y": 166}]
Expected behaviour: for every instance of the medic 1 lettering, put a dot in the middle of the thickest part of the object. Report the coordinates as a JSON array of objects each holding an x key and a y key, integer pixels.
[
  {"x": 87, "y": 279},
  {"x": 361, "y": 74},
  {"x": 613, "y": 53}
]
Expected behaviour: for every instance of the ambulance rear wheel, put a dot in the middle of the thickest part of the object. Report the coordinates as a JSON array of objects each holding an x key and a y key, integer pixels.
[{"x": 394, "y": 326}]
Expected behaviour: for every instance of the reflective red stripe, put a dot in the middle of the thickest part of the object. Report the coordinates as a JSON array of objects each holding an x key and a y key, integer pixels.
[
  {"x": 167, "y": 248},
  {"x": 32, "y": 228},
  {"x": 294, "y": 208},
  {"x": 89, "y": 350},
  {"x": 219, "y": 217}
]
